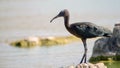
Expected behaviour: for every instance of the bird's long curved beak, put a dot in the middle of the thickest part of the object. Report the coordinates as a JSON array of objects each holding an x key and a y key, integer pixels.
[{"x": 53, "y": 18}]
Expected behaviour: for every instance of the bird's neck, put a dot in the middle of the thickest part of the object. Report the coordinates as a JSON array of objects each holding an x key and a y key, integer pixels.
[{"x": 66, "y": 22}]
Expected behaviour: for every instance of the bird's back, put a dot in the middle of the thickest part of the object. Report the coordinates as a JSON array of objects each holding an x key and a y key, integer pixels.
[{"x": 88, "y": 30}]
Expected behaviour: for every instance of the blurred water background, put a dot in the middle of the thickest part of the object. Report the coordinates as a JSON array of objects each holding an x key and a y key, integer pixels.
[{"x": 23, "y": 18}]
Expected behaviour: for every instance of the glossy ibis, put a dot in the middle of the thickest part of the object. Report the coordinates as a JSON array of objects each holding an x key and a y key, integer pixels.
[{"x": 83, "y": 30}]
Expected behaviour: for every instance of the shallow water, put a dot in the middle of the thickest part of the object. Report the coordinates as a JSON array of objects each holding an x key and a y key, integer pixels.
[
  {"x": 41, "y": 57},
  {"x": 45, "y": 57}
]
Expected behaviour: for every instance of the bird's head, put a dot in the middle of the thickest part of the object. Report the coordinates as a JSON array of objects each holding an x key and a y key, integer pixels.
[{"x": 62, "y": 13}]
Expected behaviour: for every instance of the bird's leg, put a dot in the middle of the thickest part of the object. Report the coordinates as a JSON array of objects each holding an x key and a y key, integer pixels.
[
  {"x": 85, "y": 47},
  {"x": 85, "y": 53},
  {"x": 82, "y": 58}
]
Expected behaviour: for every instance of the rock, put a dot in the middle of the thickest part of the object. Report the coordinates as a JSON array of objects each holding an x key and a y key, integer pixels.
[
  {"x": 89, "y": 65},
  {"x": 108, "y": 47},
  {"x": 71, "y": 66}
]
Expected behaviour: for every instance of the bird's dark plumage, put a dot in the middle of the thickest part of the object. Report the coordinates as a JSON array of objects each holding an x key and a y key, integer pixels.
[
  {"x": 89, "y": 30},
  {"x": 83, "y": 30}
]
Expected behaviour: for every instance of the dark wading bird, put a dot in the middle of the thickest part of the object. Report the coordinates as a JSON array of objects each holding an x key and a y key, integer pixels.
[{"x": 83, "y": 30}]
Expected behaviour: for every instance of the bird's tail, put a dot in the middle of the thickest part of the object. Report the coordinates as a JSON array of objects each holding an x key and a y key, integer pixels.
[{"x": 107, "y": 34}]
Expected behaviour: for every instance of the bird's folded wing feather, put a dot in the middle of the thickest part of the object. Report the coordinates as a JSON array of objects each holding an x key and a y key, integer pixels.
[{"x": 90, "y": 29}]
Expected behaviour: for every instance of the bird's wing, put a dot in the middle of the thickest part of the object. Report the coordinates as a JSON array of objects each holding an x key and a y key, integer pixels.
[{"x": 88, "y": 29}]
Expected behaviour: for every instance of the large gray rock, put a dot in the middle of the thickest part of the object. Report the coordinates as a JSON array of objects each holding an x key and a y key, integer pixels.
[{"x": 109, "y": 46}]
